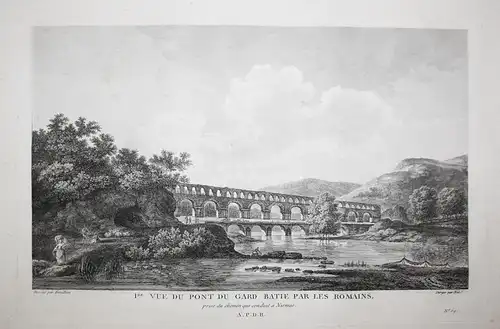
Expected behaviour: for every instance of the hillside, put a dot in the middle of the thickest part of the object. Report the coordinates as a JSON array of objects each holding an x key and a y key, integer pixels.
[
  {"x": 313, "y": 187},
  {"x": 394, "y": 188}
]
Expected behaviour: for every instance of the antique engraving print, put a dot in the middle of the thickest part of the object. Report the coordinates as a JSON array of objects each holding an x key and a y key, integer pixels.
[{"x": 249, "y": 158}]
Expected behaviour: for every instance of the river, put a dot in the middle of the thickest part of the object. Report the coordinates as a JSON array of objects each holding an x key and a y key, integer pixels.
[
  {"x": 340, "y": 251},
  {"x": 233, "y": 274}
]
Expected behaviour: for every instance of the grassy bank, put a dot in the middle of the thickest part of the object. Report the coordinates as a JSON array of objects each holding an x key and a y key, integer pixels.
[{"x": 408, "y": 278}]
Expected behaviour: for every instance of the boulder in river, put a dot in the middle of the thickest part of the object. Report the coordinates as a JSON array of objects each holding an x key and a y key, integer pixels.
[
  {"x": 293, "y": 255},
  {"x": 274, "y": 254},
  {"x": 315, "y": 258},
  {"x": 330, "y": 262},
  {"x": 282, "y": 255}
]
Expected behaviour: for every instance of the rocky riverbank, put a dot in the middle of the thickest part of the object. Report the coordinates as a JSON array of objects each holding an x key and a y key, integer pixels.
[
  {"x": 106, "y": 258},
  {"x": 398, "y": 231}
]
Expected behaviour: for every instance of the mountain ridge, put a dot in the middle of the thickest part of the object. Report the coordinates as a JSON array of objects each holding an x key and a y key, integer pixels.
[
  {"x": 391, "y": 188},
  {"x": 394, "y": 188},
  {"x": 312, "y": 187}
]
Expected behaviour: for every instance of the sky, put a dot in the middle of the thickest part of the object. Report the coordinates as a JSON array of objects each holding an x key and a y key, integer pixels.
[{"x": 258, "y": 106}]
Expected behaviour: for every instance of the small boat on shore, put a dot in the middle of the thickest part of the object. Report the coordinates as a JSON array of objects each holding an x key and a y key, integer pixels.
[{"x": 407, "y": 262}]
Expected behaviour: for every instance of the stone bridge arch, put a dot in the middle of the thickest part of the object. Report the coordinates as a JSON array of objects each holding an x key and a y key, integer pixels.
[
  {"x": 302, "y": 212},
  {"x": 274, "y": 206},
  {"x": 182, "y": 210},
  {"x": 204, "y": 210},
  {"x": 352, "y": 216},
  {"x": 238, "y": 204},
  {"x": 251, "y": 209}
]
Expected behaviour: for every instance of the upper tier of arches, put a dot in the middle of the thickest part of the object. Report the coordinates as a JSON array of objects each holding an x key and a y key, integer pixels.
[
  {"x": 229, "y": 193},
  {"x": 241, "y": 194}
]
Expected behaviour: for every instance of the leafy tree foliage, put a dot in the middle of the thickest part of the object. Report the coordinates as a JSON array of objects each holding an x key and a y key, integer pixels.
[
  {"x": 423, "y": 203},
  {"x": 75, "y": 162},
  {"x": 70, "y": 161},
  {"x": 137, "y": 176},
  {"x": 451, "y": 201},
  {"x": 171, "y": 243},
  {"x": 324, "y": 216}
]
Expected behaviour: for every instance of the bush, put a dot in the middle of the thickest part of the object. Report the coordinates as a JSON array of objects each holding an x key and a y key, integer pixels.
[
  {"x": 171, "y": 243},
  {"x": 38, "y": 266},
  {"x": 117, "y": 232},
  {"x": 137, "y": 253},
  {"x": 454, "y": 251},
  {"x": 355, "y": 264},
  {"x": 105, "y": 263}
]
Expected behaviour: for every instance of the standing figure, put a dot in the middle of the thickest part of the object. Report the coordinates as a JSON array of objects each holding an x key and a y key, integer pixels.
[{"x": 60, "y": 249}]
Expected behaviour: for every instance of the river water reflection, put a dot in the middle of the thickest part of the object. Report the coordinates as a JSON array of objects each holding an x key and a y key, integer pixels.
[{"x": 340, "y": 251}]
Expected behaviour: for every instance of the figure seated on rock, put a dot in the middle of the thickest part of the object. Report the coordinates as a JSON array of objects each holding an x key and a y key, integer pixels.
[{"x": 60, "y": 249}]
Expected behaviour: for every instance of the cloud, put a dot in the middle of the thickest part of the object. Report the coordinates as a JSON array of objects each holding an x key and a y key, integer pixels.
[
  {"x": 274, "y": 118},
  {"x": 429, "y": 93},
  {"x": 263, "y": 107},
  {"x": 354, "y": 116},
  {"x": 277, "y": 108}
]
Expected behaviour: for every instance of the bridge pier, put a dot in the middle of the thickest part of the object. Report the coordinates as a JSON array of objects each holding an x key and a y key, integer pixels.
[
  {"x": 266, "y": 214},
  {"x": 269, "y": 231},
  {"x": 222, "y": 213},
  {"x": 248, "y": 231},
  {"x": 245, "y": 213},
  {"x": 288, "y": 232}
]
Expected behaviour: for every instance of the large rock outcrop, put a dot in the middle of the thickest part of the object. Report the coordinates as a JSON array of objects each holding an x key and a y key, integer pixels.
[{"x": 152, "y": 209}]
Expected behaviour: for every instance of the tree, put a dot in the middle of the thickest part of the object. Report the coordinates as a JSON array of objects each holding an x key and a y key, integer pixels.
[
  {"x": 70, "y": 161},
  {"x": 138, "y": 176},
  {"x": 423, "y": 203},
  {"x": 74, "y": 162},
  {"x": 324, "y": 216},
  {"x": 451, "y": 201},
  {"x": 167, "y": 169}
]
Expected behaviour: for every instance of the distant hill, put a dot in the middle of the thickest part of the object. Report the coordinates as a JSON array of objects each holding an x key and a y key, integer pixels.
[
  {"x": 313, "y": 187},
  {"x": 394, "y": 188},
  {"x": 462, "y": 160}
]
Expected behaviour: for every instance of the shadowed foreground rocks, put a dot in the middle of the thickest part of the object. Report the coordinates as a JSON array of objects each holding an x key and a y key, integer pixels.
[{"x": 404, "y": 278}]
